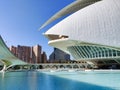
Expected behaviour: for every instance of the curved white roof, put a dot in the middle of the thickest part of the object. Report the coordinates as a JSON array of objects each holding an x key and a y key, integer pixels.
[{"x": 98, "y": 23}]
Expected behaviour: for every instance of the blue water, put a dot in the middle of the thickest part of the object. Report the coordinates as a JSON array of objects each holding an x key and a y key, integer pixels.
[{"x": 60, "y": 80}]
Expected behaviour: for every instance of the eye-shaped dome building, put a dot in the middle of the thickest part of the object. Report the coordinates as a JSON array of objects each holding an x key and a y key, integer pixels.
[{"x": 91, "y": 32}]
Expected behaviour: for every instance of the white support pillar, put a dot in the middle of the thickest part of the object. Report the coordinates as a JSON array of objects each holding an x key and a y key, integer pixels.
[{"x": 4, "y": 68}]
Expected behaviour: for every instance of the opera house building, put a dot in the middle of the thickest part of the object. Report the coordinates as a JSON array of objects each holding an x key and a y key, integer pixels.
[{"x": 90, "y": 31}]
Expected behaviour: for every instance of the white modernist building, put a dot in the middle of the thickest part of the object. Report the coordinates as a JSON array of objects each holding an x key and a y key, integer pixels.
[{"x": 91, "y": 32}]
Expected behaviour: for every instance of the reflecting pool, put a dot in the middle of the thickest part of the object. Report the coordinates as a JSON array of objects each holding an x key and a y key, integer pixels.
[{"x": 34, "y": 80}]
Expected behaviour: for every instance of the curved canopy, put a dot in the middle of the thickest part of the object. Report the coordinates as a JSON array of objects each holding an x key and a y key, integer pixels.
[
  {"x": 6, "y": 57},
  {"x": 73, "y": 7}
]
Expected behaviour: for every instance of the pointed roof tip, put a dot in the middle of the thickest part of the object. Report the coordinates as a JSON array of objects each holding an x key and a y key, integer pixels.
[
  {"x": 54, "y": 17},
  {"x": 41, "y": 27}
]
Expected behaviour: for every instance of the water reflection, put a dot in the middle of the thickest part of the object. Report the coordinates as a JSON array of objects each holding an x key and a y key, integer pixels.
[{"x": 42, "y": 81}]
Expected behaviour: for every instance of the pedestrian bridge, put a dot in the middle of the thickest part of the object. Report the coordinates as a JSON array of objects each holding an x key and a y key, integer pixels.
[
  {"x": 50, "y": 66},
  {"x": 61, "y": 65}
]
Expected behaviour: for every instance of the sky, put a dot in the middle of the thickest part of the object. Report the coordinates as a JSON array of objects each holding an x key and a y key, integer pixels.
[{"x": 21, "y": 19}]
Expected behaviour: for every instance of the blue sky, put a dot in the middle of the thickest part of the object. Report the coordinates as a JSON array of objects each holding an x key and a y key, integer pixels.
[{"x": 21, "y": 19}]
